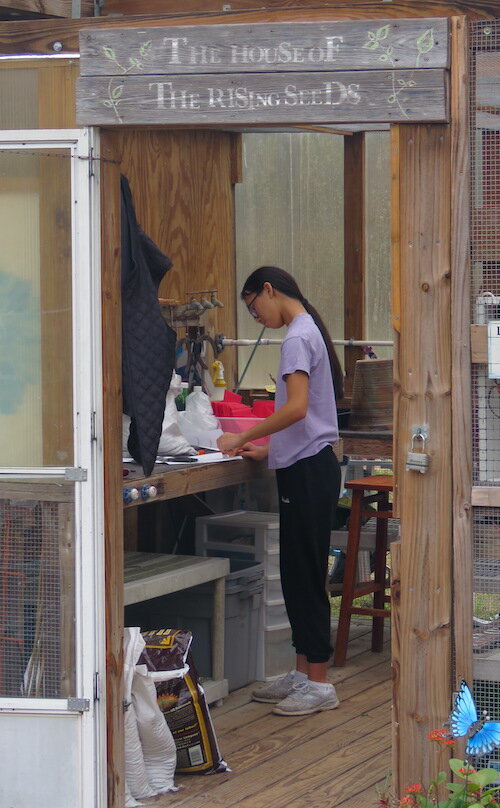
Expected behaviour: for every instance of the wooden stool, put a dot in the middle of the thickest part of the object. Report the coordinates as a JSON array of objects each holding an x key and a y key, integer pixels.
[{"x": 365, "y": 491}]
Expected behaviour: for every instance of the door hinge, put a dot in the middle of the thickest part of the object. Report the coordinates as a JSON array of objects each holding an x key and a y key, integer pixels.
[
  {"x": 78, "y": 705},
  {"x": 91, "y": 162},
  {"x": 75, "y": 474},
  {"x": 97, "y": 686},
  {"x": 93, "y": 432}
]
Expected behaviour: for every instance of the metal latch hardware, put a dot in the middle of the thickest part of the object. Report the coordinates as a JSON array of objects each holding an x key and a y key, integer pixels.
[
  {"x": 75, "y": 474},
  {"x": 78, "y": 705}
]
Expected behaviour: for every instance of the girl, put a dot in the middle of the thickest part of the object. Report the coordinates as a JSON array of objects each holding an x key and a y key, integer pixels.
[{"x": 303, "y": 429}]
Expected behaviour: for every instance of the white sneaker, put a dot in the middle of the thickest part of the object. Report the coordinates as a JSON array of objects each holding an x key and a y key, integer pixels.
[
  {"x": 308, "y": 697},
  {"x": 278, "y": 690}
]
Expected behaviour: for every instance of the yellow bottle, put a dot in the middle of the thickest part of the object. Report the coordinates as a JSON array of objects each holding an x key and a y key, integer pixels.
[{"x": 218, "y": 381}]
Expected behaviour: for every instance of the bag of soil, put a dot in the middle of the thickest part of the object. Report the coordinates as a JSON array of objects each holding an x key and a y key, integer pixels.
[{"x": 182, "y": 701}]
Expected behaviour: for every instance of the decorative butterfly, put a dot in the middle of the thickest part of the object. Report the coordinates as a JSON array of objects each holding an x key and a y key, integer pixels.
[{"x": 483, "y": 735}]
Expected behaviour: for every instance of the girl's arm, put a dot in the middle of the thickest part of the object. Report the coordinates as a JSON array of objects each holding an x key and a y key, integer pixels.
[{"x": 293, "y": 410}]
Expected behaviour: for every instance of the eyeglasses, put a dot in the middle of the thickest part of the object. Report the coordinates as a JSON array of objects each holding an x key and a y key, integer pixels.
[{"x": 252, "y": 310}]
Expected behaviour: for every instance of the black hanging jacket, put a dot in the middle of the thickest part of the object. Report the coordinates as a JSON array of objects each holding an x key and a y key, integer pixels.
[{"x": 148, "y": 343}]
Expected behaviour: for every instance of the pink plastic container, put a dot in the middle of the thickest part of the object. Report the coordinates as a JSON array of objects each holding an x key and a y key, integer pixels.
[{"x": 235, "y": 424}]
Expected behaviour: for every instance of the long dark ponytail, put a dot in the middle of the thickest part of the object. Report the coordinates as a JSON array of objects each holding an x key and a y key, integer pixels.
[{"x": 285, "y": 283}]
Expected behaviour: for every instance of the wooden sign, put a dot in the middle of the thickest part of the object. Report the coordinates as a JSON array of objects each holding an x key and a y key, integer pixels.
[
  {"x": 340, "y": 72},
  {"x": 263, "y": 48}
]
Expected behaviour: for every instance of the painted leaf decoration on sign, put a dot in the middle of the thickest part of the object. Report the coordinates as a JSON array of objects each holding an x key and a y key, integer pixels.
[
  {"x": 117, "y": 91},
  {"x": 145, "y": 47},
  {"x": 109, "y": 52},
  {"x": 373, "y": 45},
  {"x": 425, "y": 42},
  {"x": 383, "y": 32}
]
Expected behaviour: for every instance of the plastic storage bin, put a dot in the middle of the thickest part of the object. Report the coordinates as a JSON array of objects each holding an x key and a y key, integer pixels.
[
  {"x": 254, "y": 535},
  {"x": 247, "y": 534},
  {"x": 191, "y": 609}
]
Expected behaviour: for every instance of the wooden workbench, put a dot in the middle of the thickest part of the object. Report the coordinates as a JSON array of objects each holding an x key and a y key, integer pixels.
[{"x": 184, "y": 479}]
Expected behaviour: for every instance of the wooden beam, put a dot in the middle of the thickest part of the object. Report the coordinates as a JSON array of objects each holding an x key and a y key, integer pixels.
[
  {"x": 485, "y": 496},
  {"x": 113, "y": 477},
  {"x": 424, "y": 397},
  {"x": 368, "y": 8},
  {"x": 354, "y": 252},
  {"x": 479, "y": 344},
  {"x": 461, "y": 403},
  {"x": 39, "y": 36},
  {"x": 48, "y": 8}
]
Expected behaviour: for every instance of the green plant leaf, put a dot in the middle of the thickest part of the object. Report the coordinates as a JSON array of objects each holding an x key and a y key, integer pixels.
[
  {"x": 484, "y": 777},
  {"x": 425, "y": 42},
  {"x": 456, "y": 788},
  {"x": 383, "y": 32},
  {"x": 456, "y": 764}
]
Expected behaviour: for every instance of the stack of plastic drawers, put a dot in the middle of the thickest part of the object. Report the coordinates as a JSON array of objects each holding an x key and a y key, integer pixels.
[{"x": 255, "y": 536}]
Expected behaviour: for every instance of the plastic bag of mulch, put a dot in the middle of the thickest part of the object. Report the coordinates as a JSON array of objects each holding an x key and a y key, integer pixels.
[{"x": 182, "y": 701}]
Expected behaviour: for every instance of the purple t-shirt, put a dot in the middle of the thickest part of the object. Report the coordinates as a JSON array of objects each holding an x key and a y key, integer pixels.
[{"x": 303, "y": 349}]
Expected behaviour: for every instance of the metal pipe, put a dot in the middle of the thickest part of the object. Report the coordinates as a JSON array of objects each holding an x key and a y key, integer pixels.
[{"x": 356, "y": 343}]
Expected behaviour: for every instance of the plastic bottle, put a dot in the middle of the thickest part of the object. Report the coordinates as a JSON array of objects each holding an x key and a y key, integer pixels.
[
  {"x": 180, "y": 400},
  {"x": 218, "y": 381}
]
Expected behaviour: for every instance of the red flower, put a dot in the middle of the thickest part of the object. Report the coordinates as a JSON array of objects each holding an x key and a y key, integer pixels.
[
  {"x": 405, "y": 802},
  {"x": 467, "y": 770},
  {"x": 441, "y": 736},
  {"x": 416, "y": 788}
]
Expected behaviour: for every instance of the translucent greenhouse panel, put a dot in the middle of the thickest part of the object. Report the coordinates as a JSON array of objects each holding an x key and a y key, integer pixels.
[
  {"x": 289, "y": 213},
  {"x": 36, "y": 425}
]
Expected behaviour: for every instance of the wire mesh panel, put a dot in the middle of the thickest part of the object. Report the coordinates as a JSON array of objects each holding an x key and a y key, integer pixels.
[
  {"x": 485, "y": 290},
  {"x": 37, "y": 593},
  {"x": 486, "y": 427}
]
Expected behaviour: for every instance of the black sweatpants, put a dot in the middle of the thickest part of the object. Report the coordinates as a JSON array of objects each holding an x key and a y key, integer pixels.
[{"x": 308, "y": 492}]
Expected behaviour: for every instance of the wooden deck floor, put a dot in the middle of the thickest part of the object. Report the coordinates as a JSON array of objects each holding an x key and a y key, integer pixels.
[{"x": 334, "y": 759}]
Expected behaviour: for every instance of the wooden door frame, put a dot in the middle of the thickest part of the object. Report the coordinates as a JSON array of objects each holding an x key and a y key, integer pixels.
[{"x": 447, "y": 309}]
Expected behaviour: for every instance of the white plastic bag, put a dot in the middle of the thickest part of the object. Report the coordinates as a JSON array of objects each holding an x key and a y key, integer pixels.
[
  {"x": 158, "y": 745},
  {"x": 172, "y": 441},
  {"x": 199, "y": 411},
  {"x": 130, "y": 801},
  {"x": 136, "y": 774}
]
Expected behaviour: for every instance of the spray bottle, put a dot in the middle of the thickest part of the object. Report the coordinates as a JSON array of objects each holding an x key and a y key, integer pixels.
[{"x": 218, "y": 381}]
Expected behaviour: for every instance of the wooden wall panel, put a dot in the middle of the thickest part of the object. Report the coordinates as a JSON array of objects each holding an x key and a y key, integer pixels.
[
  {"x": 56, "y": 96},
  {"x": 424, "y": 397},
  {"x": 182, "y": 188},
  {"x": 354, "y": 252}
]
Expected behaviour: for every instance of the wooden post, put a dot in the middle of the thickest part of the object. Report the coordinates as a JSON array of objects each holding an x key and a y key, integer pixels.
[
  {"x": 423, "y": 372},
  {"x": 395, "y": 548},
  {"x": 354, "y": 251},
  {"x": 461, "y": 369},
  {"x": 113, "y": 478}
]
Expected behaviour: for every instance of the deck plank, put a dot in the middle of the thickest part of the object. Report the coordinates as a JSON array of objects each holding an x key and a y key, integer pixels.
[{"x": 335, "y": 758}]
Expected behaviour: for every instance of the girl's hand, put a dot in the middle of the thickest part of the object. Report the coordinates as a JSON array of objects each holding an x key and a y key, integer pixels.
[
  {"x": 229, "y": 442},
  {"x": 254, "y": 452}
]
